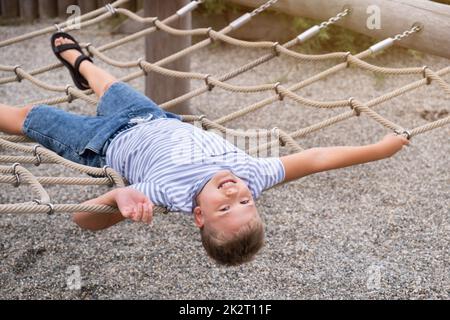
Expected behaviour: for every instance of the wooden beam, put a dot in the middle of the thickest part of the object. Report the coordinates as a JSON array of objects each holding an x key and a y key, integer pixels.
[
  {"x": 396, "y": 16},
  {"x": 62, "y": 7},
  {"x": 160, "y": 45},
  {"x": 10, "y": 8},
  {"x": 29, "y": 10},
  {"x": 48, "y": 8},
  {"x": 87, "y": 5}
]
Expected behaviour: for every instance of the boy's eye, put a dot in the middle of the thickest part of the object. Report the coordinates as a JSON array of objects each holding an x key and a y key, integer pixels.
[
  {"x": 225, "y": 209},
  {"x": 245, "y": 201}
]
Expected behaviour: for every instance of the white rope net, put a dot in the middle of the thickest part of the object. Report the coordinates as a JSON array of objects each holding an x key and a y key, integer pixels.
[{"x": 14, "y": 173}]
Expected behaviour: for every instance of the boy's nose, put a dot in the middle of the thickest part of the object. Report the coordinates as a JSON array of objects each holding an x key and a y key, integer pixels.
[{"x": 230, "y": 191}]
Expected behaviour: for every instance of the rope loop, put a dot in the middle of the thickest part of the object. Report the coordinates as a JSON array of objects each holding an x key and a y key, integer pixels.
[
  {"x": 424, "y": 74},
  {"x": 277, "y": 133},
  {"x": 278, "y": 92},
  {"x": 209, "y": 35},
  {"x": 139, "y": 63},
  {"x": 88, "y": 50},
  {"x": 111, "y": 9},
  {"x": 201, "y": 118},
  {"x": 18, "y": 77},
  {"x": 275, "y": 49},
  {"x": 37, "y": 156},
  {"x": 347, "y": 55},
  {"x": 404, "y": 132},
  {"x": 68, "y": 94},
  {"x": 14, "y": 167},
  {"x": 58, "y": 27},
  {"x": 49, "y": 205},
  {"x": 107, "y": 175},
  {"x": 154, "y": 22},
  {"x": 208, "y": 84}
]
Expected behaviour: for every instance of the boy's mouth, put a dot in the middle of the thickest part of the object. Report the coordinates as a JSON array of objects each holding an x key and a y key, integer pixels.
[{"x": 226, "y": 182}]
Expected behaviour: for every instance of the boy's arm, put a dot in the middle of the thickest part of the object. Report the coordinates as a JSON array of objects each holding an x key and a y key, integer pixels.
[
  {"x": 322, "y": 159},
  {"x": 130, "y": 204}
]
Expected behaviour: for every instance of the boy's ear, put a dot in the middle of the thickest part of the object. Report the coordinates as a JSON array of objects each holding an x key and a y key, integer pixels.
[{"x": 199, "y": 218}]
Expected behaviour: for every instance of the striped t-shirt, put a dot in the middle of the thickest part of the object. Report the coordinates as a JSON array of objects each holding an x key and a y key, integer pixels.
[{"x": 170, "y": 162}]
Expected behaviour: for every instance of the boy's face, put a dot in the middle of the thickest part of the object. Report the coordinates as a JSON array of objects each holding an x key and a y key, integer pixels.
[{"x": 225, "y": 202}]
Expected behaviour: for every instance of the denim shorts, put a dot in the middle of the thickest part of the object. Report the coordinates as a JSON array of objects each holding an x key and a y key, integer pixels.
[{"x": 85, "y": 139}]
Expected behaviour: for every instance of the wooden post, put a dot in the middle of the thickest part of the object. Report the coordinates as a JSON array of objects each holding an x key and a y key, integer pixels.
[
  {"x": 102, "y": 3},
  {"x": 10, "y": 8},
  {"x": 28, "y": 9},
  {"x": 160, "y": 45},
  {"x": 139, "y": 4},
  {"x": 62, "y": 7},
  {"x": 395, "y": 16},
  {"x": 87, "y": 5},
  {"x": 131, "y": 5},
  {"x": 48, "y": 8}
]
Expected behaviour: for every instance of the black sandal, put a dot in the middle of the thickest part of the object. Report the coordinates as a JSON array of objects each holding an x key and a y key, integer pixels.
[{"x": 77, "y": 77}]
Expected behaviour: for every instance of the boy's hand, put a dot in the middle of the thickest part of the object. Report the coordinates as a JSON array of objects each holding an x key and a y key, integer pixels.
[
  {"x": 391, "y": 144},
  {"x": 134, "y": 205}
]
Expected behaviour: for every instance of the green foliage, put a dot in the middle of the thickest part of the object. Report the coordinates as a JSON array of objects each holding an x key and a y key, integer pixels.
[
  {"x": 379, "y": 80},
  {"x": 331, "y": 39},
  {"x": 416, "y": 54},
  {"x": 211, "y": 7}
]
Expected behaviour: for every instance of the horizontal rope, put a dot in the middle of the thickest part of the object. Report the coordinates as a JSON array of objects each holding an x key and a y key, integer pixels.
[
  {"x": 61, "y": 181},
  {"x": 116, "y": 179}
]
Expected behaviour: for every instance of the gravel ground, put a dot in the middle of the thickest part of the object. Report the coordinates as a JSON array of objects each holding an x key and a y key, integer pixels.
[{"x": 375, "y": 231}]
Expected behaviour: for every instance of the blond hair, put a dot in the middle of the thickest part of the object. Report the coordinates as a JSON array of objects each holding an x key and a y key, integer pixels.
[{"x": 235, "y": 249}]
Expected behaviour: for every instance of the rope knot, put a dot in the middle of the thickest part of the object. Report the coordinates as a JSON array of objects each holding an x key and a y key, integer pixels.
[
  {"x": 18, "y": 76},
  {"x": 424, "y": 74},
  {"x": 49, "y": 205},
  {"x": 109, "y": 176},
  {"x": 111, "y": 9},
  {"x": 278, "y": 92},
  {"x": 68, "y": 94},
  {"x": 155, "y": 23},
  {"x": 208, "y": 84},
  {"x": 58, "y": 27},
  {"x": 347, "y": 59},
  {"x": 210, "y": 36},
  {"x": 87, "y": 47},
  {"x": 275, "y": 49},
  {"x": 37, "y": 156},
  {"x": 354, "y": 107},
  {"x": 14, "y": 167},
  {"x": 202, "y": 118},
  {"x": 404, "y": 132},
  {"x": 140, "y": 65},
  {"x": 277, "y": 134}
]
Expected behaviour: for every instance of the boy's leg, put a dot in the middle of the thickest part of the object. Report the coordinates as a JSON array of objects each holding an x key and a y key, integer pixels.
[
  {"x": 12, "y": 119},
  {"x": 99, "y": 80}
]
